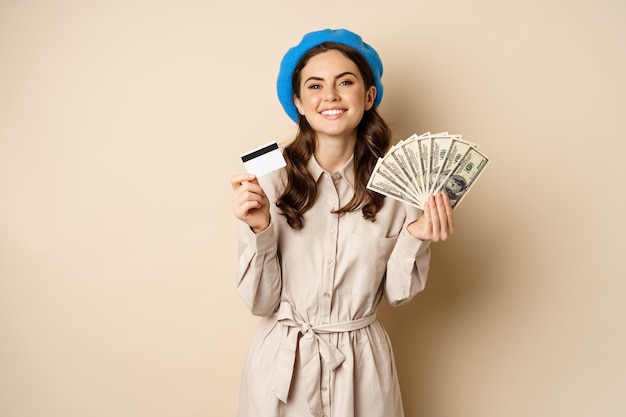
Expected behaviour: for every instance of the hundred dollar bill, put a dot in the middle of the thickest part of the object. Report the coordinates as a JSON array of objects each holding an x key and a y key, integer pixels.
[
  {"x": 385, "y": 183},
  {"x": 411, "y": 153},
  {"x": 463, "y": 176},
  {"x": 423, "y": 146},
  {"x": 439, "y": 146},
  {"x": 456, "y": 149},
  {"x": 389, "y": 167},
  {"x": 402, "y": 164},
  {"x": 427, "y": 164}
]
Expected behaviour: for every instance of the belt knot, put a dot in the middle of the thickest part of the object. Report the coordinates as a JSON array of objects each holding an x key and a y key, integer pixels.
[{"x": 312, "y": 350}]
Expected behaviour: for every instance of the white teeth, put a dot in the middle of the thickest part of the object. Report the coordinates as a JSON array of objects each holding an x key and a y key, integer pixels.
[{"x": 332, "y": 112}]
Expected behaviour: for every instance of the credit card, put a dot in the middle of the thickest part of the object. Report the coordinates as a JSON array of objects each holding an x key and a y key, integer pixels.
[{"x": 264, "y": 159}]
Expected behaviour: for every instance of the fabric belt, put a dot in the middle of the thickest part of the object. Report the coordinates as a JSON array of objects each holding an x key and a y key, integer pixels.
[{"x": 312, "y": 349}]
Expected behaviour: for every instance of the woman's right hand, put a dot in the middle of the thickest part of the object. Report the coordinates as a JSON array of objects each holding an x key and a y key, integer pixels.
[{"x": 250, "y": 204}]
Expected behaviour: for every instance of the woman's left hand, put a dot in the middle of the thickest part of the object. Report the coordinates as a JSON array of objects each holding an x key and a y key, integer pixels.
[{"x": 437, "y": 222}]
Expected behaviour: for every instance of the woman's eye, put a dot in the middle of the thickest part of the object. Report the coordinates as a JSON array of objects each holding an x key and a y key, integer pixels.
[
  {"x": 314, "y": 86},
  {"x": 345, "y": 82}
]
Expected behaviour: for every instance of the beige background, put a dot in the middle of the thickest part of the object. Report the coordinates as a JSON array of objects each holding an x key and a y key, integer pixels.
[{"x": 122, "y": 121}]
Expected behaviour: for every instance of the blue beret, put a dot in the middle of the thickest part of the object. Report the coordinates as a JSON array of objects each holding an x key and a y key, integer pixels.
[{"x": 310, "y": 40}]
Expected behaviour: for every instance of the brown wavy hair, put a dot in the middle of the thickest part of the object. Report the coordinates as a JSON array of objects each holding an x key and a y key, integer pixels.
[{"x": 373, "y": 140}]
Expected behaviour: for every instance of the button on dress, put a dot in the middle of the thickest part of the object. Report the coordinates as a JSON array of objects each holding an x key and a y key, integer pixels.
[{"x": 318, "y": 349}]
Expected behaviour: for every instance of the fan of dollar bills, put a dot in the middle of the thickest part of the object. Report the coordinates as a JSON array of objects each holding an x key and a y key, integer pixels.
[{"x": 427, "y": 164}]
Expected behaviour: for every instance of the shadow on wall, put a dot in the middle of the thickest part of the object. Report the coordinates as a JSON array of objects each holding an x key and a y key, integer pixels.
[{"x": 464, "y": 280}]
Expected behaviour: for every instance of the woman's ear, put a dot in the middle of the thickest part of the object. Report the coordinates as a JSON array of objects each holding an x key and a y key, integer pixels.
[
  {"x": 298, "y": 103},
  {"x": 370, "y": 98}
]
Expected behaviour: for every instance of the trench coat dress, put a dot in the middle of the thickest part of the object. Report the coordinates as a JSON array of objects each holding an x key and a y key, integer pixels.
[{"x": 318, "y": 349}]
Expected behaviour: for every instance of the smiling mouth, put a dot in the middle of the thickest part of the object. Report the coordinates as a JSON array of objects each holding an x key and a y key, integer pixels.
[{"x": 332, "y": 112}]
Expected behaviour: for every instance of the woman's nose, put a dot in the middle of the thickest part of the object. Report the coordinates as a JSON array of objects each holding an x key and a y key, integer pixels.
[{"x": 331, "y": 94}]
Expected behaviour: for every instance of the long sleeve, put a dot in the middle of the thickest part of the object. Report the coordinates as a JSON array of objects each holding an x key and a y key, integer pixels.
[
  {"x": 259, "y": 274},
  {"x": 407, "y": 269},
  {"x": 408, "y": 264}
]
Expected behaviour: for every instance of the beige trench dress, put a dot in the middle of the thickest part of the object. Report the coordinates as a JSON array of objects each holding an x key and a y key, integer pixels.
[{"x": 318, "y": 349}]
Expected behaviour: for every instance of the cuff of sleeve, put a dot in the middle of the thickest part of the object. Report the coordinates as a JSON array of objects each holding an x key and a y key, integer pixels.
[
  {"x": 265, "y": 240},
  {"x": 411, "y": 244}
]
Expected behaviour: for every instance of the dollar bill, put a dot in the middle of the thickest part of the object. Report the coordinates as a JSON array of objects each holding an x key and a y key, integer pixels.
[
  {"x": 427, "y": 164},
  {"x": 439, "y": 146},
  {"x": 456, "y": 149},
  {"x": 390, "y": 169},
  {"x": 411, "y": 152},
  {"x": 423, "y": 146},
  {"x": 463, "y": 176},
  {"x": 385, "y": 183},
  {"x": 400, "y": 166}
]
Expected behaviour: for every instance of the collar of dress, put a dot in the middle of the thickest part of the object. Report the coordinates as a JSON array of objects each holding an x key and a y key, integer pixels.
[{"x": 346, "y": 172}]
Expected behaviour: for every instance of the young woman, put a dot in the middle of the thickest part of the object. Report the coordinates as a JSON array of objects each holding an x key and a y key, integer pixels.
[{"x": 318, "y": 250}]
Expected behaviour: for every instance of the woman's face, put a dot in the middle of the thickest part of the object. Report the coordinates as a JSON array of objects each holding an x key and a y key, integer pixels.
[{"x": 333, "y": 97}]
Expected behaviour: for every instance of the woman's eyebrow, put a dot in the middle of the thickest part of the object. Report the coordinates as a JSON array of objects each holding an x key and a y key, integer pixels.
[
  {"x": 343, "y": 74},
  {"x": 313, "y": 79}
]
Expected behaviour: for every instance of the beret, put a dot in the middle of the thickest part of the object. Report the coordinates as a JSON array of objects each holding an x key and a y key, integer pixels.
[{"x": 292, "y": 57}]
